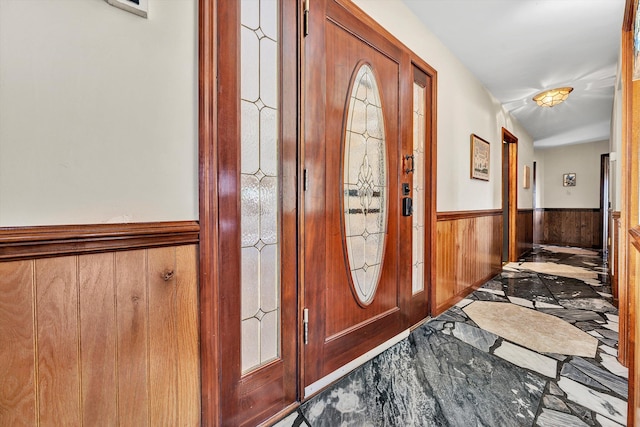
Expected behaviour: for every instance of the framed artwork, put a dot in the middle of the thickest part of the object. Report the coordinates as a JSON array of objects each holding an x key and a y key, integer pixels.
[
  {"x": 569, "y": 180},
  {"x": 480, "y": 155},
  {"x": 526, "y": 179},
  {"x": 138, "y": 7}
]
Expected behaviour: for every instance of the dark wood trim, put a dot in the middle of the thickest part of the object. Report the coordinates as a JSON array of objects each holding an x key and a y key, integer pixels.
[
  {"x": 18, "y": 243},
  {"x": 430, "y": 170},
  {"x": 512, "y": 215},
  {"x": 456, "y": 215},
  {"x": 526, "y": 210},
  {"x": 627, "y": 23},
  {"x": 614, "y": 250},
  {"x": 634, "y": 233},
  {"x": 627, "y": 267},
  {"x": 208, "y": 196}
]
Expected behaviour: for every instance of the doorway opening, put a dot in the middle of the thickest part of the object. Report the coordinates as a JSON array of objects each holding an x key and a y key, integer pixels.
[{"x": 509, "y": 196}]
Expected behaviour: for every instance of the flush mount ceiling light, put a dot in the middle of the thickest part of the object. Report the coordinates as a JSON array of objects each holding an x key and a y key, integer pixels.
[{"x": 552, "y": 97}]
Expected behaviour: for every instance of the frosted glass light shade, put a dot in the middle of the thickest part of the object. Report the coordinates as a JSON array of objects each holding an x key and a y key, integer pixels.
[{"x": 552, "y": 97}]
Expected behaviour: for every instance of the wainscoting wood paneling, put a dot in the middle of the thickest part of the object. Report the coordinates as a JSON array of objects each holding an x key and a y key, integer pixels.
[
  {"x": 525, "y": 231},
  {"x": 614, "y": 239},
  {"x": 570, "y": 227},
  {"x": 101, "y": 339},
  {"x": 468, "y": 253}
]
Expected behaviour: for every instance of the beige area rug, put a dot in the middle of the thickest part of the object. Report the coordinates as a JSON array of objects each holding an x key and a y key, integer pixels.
[{"x": 537, "y": 331}]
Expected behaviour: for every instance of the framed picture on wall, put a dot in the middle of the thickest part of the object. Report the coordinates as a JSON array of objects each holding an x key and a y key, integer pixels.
[
  {"x": 138, "y": 7},
  {"x": 480, "y": 155},
  {"x": 569, "y": 180},
  {"x": 526, "y": 179}
]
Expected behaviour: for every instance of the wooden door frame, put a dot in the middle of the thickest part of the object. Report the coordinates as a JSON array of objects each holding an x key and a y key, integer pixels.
[
  {"x": 629, "y": 238},
  {"x": 212, "y": 156},
  {"x": 208, "y": 196},
  {"x": 512, "y": 146}
]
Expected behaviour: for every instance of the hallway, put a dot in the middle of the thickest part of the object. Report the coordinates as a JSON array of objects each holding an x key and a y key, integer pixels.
[{"x": 536, "y": 345}]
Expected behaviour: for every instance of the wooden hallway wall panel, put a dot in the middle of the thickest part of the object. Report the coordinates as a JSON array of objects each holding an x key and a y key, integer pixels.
[
  {"x": 468, "y": 253},
  {"x": 525, "y": 231},
  {"x": 614, "y": 251},
  {"x": 57, "y": 341},
  {"x": 17, "y": 367},
  {"x": 105, "y": 339},
  {"x": 570, "y": 227},
  {"x": 132, "y": 331},
  {"x": 538, "y": 229}
]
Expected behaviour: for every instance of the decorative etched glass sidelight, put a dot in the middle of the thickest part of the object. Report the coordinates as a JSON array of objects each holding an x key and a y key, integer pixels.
[
  {"x": 260, "y": 297},
  {"x": 365, "y": 185},
  {"x": 417, "y": 253}
]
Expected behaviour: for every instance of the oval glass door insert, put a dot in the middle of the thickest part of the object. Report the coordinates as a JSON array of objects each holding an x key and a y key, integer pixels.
[{"x": 365, "y": 185}]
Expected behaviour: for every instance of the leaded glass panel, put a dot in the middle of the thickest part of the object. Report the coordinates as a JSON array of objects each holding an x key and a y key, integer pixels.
[
  {"x": 417, "y": 256},
  {"x": 365, "y": 184},
  {"x": 260, "y": 209}
]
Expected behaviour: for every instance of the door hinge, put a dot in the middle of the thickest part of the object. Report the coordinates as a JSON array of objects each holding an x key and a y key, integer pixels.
[
  {"x": 305, "y": 325},
  {"x": 305, "y": 180},
  {"x": 305, "y": 18}
]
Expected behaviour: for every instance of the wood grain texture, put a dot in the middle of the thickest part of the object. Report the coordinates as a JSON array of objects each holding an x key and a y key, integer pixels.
[
  {"x": 629, "y": 267},
  {"x": 18, "y": 243},
  {"x": 83, "y": 348},
  {"x": 511, "y": 205},
  {"x": 614, "y": 259},
  {"x": 469, "y": 252},
  {"x": 163, "y": 339},
  {"x": 58, "y": 341},
  {"x": 208, "y": 209},
  {"x": 98, "y": 333},
  {"x": 17, "y": 368},
  {"x": 570, "y": 227},
  {"x": 132, "y": 336},
  {"x": 525, "y": 231},
  {"x": 187, "y": 328}
]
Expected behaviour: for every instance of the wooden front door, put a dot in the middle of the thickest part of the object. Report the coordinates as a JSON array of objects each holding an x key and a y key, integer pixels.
[{"x": 353, "y": 221}]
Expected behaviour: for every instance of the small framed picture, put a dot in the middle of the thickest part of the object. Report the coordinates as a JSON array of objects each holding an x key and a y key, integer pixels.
[
  {"x": 138, "y": 7},
  {"x": 569, "y": 180},
  {"x": 526, "y": 179},
  {"x": 480, "y": 155}
]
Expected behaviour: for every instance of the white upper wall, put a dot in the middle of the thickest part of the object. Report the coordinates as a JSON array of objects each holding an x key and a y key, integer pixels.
[
  {"x": 464, "y": 107},
  {"x": 581, "y": 159},
  {"x": 98, "y": 112},
  {"x": 615, "y": 146}
]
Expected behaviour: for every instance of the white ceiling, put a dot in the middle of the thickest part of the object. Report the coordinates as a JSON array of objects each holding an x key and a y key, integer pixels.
[{"x": 518, "y": 48}]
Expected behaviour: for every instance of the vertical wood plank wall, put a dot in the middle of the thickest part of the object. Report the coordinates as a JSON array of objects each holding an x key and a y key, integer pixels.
[
  {"x": 614, "y": 259},
  {"x": 468, "y": 253},
  {"x": 569, "y": 227},
  {"x": 525, "y": 231},
  {"x": 101, "y": 339}
]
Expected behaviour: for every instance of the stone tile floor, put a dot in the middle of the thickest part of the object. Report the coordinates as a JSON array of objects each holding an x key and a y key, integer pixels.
[{"x": 535, "y": 346}]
